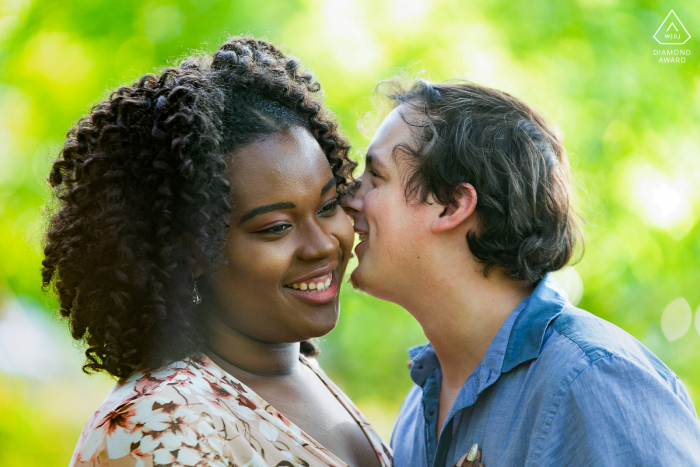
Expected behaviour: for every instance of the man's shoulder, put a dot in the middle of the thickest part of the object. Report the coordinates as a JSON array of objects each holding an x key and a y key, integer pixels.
[{"x": 595, "y": 338}]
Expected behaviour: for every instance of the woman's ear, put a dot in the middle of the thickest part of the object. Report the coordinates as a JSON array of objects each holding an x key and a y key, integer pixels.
[
  {"x": 195, "y": 257},
  {"x": 455, "y": 214}
]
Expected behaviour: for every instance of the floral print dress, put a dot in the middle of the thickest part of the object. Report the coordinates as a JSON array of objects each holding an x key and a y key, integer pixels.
[{"x": 192, "y": 413}]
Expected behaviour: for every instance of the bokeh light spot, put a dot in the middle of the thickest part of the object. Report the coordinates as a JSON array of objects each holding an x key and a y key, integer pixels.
[
  {"x": 404, "y": 11},
  {"x": 661, "y": 201},
  {"x": 59, "y": 59},
  {"x": 571, "y": 282},
  {"x": 346, "y": 32},
  {"x": 163, "y": 23},
  {"x": 676, "y": 319}
]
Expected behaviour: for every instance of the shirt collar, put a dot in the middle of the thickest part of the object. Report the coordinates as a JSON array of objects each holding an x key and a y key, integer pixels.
[
  {"x": 528, "y": 332},
  {"x": 518, "y": 340},
  {"x": 425, "y": 360}
]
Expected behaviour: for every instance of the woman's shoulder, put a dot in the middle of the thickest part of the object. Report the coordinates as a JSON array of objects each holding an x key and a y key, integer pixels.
[{"x": 171, "y": 415}]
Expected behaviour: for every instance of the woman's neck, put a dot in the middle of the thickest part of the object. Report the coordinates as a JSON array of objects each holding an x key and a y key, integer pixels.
[{"x": 248, "y": 357}]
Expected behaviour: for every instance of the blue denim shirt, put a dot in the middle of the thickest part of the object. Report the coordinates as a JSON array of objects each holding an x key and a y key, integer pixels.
[{"x": 557, "y": 386}]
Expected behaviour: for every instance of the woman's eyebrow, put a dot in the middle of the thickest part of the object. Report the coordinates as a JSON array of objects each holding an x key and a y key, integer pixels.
[
  {"x": 328, "y": 186},
  {"x": 279, "y": 206},
  {"x": 264, "y": 209}
]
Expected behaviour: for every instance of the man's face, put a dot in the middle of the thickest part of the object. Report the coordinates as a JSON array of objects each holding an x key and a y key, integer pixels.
[{"x": 393, "y": 231}]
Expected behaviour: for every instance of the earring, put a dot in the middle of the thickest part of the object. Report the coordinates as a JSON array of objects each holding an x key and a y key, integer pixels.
[{"x": 196, "y": 298}]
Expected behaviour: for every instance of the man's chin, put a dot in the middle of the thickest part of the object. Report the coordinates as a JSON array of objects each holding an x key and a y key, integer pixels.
[
  {"x": 360, "y": 280},
  {"x": 355, "y": 279}
]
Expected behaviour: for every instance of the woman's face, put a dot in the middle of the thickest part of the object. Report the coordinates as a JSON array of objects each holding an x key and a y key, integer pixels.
[{"x": 288, "y": 239}]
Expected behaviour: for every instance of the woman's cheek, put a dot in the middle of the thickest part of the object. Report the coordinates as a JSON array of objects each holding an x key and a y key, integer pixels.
[
  {"x": 261, "y": 262},
  {"x": 345, "y": 234}
]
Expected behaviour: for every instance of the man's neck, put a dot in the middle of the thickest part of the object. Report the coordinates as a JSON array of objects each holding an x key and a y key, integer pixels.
[{"x": 461, "y": 314}]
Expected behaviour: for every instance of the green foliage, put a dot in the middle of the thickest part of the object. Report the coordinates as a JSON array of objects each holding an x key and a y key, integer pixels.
[{"x": 630, "y": 124}]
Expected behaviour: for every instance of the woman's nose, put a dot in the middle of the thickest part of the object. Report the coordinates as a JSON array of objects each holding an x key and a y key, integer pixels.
[{"x": 318, "y": 244}]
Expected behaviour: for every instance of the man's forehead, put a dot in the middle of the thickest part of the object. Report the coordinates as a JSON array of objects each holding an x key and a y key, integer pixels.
[{"x": 393, "y": 131}]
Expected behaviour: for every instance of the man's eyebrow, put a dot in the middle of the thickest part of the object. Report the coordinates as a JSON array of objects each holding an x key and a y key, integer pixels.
[
  {"x": 374, "y": 161},
  {"x": 327, "y": 186},
  {"x": 264, "y": 209}
]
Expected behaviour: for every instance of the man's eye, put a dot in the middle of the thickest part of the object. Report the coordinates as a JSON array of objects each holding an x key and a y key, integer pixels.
[
  {"x": 275, "y": 229},
  {"x": 330, "y": 207},
  {"x": 375, "y": 176}
]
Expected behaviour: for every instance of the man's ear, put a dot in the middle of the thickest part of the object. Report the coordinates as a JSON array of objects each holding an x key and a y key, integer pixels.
[
  {"x": 453, "y": 216},
  {"x": 195, "y": 256}
]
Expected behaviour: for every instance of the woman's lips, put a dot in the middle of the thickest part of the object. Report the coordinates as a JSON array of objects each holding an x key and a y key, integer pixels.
[{"x": 312, "y": 296}]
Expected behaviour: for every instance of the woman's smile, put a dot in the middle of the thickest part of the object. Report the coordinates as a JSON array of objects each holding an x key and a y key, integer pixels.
[{"x": 318, "y": 290}]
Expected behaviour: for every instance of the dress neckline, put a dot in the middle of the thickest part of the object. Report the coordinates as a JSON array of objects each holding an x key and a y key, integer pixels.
[
  {"x": 373, "y": 437},
  {"x": 276, "y": 418}
]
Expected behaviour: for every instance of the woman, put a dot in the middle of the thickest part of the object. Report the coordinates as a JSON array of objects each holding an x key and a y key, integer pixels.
[{"x": 197, "y": 248}]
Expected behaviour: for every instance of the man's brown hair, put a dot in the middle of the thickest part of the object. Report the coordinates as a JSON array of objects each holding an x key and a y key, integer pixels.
[{"x": 514, "y": 159}]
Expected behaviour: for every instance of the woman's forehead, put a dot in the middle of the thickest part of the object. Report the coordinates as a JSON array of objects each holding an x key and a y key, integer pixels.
[{"x": 289, "y": 164}]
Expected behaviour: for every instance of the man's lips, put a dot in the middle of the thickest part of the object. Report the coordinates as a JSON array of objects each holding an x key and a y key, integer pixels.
[
  {"x": 361, "y": 233},
  {"x": 359, "y": 248}
]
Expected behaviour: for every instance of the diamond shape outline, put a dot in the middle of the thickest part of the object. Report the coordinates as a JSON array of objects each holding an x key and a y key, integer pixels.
[{"x": 682, "y": 25}]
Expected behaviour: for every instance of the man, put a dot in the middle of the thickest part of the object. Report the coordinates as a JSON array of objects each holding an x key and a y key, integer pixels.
[{"x": 464, "y": 211}]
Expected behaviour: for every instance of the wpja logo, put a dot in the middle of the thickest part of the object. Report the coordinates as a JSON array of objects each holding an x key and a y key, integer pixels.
[{"x": 672, "y": 32}]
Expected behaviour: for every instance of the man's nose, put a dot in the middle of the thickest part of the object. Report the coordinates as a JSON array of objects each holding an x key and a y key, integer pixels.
[{"x": 354, "y": 198}]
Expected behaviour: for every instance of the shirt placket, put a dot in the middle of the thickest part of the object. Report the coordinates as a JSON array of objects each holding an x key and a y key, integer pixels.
[{"x": 431, "y": 399}]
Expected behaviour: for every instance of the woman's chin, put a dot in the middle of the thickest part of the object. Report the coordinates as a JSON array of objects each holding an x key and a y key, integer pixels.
[{"x": 322, "y": 324}]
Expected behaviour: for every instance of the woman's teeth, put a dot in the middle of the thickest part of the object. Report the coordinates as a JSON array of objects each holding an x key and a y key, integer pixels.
[
  {"x": 363, "y": 236},
  {"x": 313, "y": 286}
]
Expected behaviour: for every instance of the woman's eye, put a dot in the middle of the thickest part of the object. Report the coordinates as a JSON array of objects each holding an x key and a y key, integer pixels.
[
  {"x": 330, "y": 207},
  {"x": 275, "y": 229}
]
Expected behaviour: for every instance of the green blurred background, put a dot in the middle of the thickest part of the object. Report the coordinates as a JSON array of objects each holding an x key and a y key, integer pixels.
[{"x": 630, "y": 124}]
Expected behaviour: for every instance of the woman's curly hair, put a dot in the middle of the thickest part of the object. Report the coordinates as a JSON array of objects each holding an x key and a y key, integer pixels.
[{"x": 149, "y": 164}]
